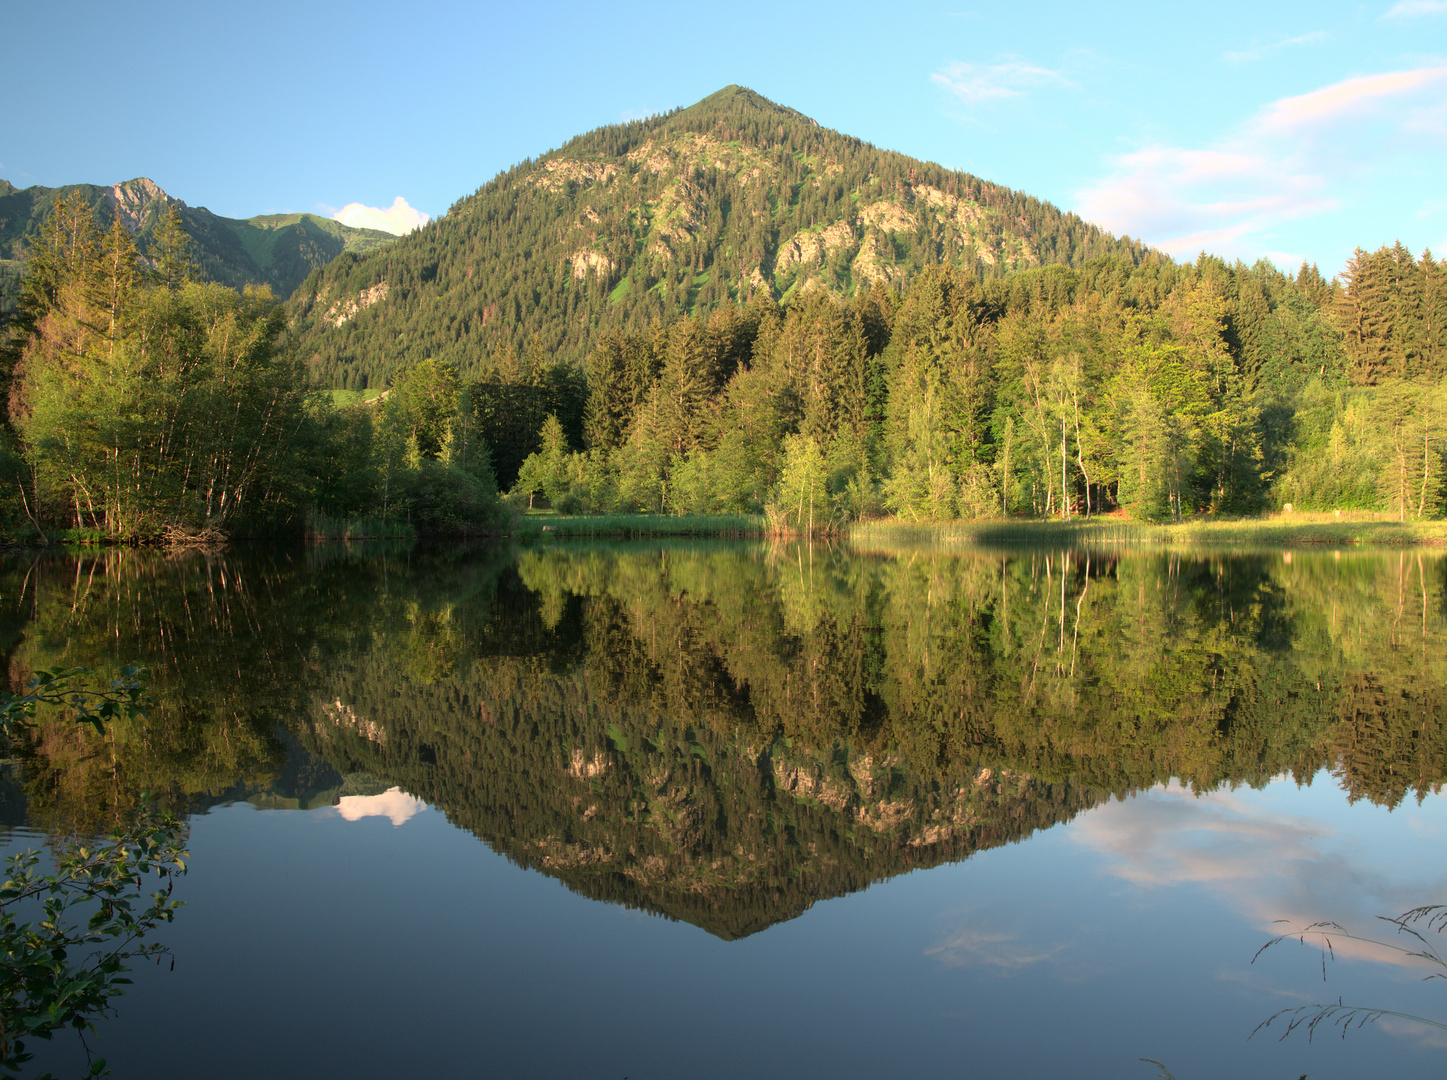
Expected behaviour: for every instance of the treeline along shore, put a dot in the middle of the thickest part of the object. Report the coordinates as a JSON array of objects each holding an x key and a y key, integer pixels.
[
  {"x": 144, "y": 404},
  {"x": 1161, "y": 390}
]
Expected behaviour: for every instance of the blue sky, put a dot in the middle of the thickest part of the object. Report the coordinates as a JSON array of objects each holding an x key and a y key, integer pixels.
[{"x": 1289, "y": 131}]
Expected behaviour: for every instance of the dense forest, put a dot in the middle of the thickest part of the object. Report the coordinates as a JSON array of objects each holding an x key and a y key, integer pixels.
[
  {"x": 1164, "y": 389},
  {"x": 723, "y": 310},
  {"x": 142, "y": 403},
  {"x": 731, "y": 309},
  {"x": 727, "y": 734}
]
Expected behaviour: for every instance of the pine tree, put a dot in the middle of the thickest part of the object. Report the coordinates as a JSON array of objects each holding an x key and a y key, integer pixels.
[
  {"x": 682, "y": 390},
  {"x": 609, "y": 405},
  {"x": 170, "y": 252}
]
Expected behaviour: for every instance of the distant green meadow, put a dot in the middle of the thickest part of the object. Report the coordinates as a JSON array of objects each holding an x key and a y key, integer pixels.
[{"x": 343, "y": 398}]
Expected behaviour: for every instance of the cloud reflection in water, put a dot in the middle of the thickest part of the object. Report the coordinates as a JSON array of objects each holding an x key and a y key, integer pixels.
[
  {"x": 394, "y": 804},
  {"x": 1274, "y": 866}
]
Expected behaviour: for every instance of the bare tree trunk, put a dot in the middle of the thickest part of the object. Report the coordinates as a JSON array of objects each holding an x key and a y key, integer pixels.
[
  {"x": 1064, "y": 490},
  {"x": 1426, "y": 464}
]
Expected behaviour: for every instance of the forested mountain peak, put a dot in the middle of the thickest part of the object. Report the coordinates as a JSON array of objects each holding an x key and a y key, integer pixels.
[
  {"x": 740, "y": 99},
  {"x": 652, "y": 219}
]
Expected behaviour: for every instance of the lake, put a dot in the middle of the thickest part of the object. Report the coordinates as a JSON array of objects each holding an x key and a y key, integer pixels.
[{"x": 723, "y": 810}]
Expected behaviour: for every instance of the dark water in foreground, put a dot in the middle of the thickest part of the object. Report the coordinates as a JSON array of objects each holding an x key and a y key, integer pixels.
[{"x": 678, "y": 811}]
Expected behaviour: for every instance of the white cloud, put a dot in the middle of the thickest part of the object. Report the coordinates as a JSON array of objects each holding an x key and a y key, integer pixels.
[
  {"x": 1408, "y": 8},
  {"x": 1262, "y": 52},
  {"x": 1186, "y": 201},
  {"x": 1285, "y": 164},
  {"x": 398, "y": 219},
  {"x": 394, "y": 803},
  {"x": 975, "y": 83}
]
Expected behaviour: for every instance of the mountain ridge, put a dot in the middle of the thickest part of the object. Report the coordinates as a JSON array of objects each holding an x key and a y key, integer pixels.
[
  {"x": 278, "y": 250},
  {"x": 651, "y": 219}
]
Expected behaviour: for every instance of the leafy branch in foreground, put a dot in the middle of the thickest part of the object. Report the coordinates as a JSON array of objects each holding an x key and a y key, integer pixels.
[
  {"x": 1429, "y": 917},
  {"x": 64, "y": 968}
]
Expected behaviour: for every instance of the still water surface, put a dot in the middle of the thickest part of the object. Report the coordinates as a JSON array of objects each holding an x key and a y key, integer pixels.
[{"x": 729, "y": 810}]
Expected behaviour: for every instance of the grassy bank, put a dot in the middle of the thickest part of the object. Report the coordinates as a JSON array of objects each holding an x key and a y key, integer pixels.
[
  {"x": 1350, "y": 528},
  {"x": 1298, "y": 529},
  {"x": 539, "y": 524}
]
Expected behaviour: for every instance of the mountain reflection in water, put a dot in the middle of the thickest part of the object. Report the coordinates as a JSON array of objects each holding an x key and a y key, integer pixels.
[{"x": 727, "y": 734}]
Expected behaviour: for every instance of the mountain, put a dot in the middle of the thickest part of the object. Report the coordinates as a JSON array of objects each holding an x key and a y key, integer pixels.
[
  {"x": 652, "y": 219},
  {"x": 279, "y": 250}
]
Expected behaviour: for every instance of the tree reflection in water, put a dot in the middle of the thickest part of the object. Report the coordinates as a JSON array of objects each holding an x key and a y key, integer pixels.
[{"x": 725, "y": 734}]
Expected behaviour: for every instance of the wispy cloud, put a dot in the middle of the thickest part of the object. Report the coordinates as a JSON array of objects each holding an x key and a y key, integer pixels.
[
  {"x": 976, "y": 83},
  {"x": 398, "y": 219},
  {"x": 1265, "y": 864},
  {"x": 1348, "y": 97},
  {"x": 1409, "y": 8},
  {"x": 1291, "y": 161},
  {"x": 1263, "y": 52},
  {"x": 971, "y": 947},
  {"x": 1187, "y": 201}
]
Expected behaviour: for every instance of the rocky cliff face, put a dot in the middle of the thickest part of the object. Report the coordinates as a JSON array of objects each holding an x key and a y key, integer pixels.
[{"x": 136, "y": 200}]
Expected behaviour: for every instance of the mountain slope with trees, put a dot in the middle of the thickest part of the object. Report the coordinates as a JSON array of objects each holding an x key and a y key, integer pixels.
[
  {"x": 729, "y": 308},
  {"x": 618, "y": 328},
  {"x": 656, "y": 219},
  {"x": 279, "y": 250}
]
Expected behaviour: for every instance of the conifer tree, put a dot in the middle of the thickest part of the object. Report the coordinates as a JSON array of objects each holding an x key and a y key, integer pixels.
[{"x": 170, "y": 252}]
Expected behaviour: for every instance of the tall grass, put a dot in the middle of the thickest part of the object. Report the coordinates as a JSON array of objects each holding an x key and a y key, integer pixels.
[
  {"x": 892, "y": 532},
  {"x": 538, "y": 525},
  {"x": 1343, "y": 529},
  {"x": 1339, "y": 529}
]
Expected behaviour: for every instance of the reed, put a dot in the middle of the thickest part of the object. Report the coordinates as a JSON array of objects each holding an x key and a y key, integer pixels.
[
  {"x": 1346, "y": 529},
  {"x": 892, "y": 532}
]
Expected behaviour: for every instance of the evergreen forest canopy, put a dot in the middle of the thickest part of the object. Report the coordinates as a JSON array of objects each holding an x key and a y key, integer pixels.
[
  {"x": 651, "y": 220},
  {"x": 727, "y": 734}
]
